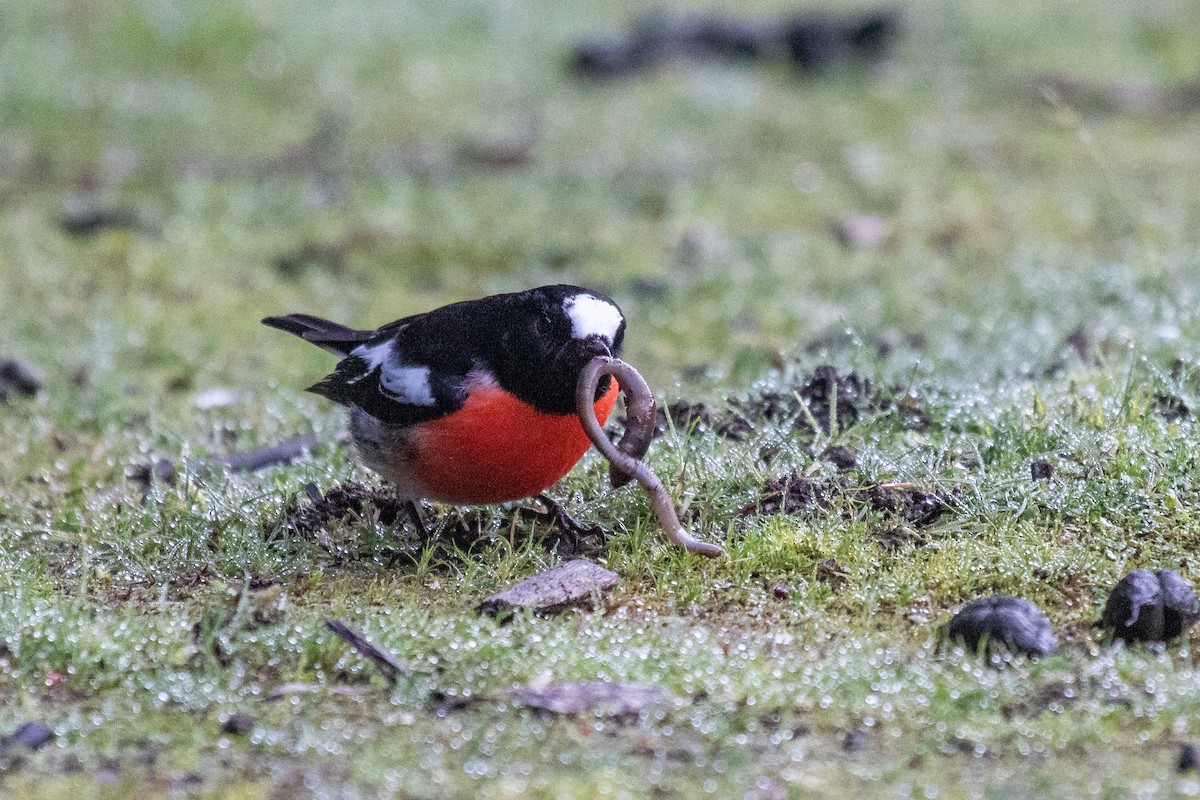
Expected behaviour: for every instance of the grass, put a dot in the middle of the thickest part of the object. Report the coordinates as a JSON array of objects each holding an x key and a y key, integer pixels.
[{"x": 1034, "y": 299}]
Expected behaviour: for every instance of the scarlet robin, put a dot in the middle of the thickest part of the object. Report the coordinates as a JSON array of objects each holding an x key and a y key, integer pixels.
[{"x": 473, "y": 402}]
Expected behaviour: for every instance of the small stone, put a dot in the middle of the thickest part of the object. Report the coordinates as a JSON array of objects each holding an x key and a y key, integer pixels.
[
  {"x": 1189, "y": 758},
  {"x": 781, "y": 591},
  {"x": 590, "y": 697},
  {"x": 1041, "y": 470},
  {"x": 1003, "y": 623},
  {"x": 854, "y": 740},
  {"x": 571, "y": 584}
]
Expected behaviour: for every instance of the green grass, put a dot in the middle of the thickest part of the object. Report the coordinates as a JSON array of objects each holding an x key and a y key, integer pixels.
[{"x": 702, "y": 198}]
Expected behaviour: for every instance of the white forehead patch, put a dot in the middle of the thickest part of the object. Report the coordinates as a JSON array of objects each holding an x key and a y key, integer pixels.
[{"x": 591, "y": 316}]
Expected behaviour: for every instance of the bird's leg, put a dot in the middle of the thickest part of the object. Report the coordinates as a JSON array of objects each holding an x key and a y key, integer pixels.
[
  {"x": 414, "y": 514},
  {"x": 572, "y": 531}
]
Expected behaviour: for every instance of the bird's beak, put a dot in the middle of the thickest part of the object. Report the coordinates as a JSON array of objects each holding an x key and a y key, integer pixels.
[{"x": 596, "y": 346}]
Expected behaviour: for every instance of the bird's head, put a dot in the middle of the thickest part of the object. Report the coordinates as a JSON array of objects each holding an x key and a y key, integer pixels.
[{"x": 550, "y": 333}]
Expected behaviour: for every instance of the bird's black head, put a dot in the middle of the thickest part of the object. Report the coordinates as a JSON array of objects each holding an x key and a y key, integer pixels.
[{"x": 547, "y": 335}]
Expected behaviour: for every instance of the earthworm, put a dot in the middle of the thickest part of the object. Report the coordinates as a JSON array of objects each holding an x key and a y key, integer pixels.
[
  {"x": 637, "y": 400},
  {"x": 640, "y": 419}
]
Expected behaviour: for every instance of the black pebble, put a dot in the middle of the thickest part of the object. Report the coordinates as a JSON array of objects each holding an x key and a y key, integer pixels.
[
  {"x": 1149, "y": 606},
  {"x": 612, "y": 57},
  {"x": 1012, "y": 623},
  {"x": 1189, "y": 758},
  {"x": 239, "y": 724},
  {"x": 82, "y": 215},
  {"x": 18, "y": 378},
  {"x": 32, "y": 736}
]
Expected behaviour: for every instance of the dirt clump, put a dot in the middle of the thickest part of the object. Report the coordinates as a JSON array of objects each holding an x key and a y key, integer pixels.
[
  {"x": 1003, "y": 624},
  {"x": 1041, "y": 470},
  {"x": 906, "y": 510},
  {"x": 799, "y": 494},
  {"x": 825, "y": 401},
  {"x": 1149, "y": 606}
]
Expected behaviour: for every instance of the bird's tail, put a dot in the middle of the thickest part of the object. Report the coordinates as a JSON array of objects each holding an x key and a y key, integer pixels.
[{"x": 337, "y": 339}]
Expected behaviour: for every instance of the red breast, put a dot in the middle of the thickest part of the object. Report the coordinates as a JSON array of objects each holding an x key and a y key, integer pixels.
[{"x": 497, "y": 448}]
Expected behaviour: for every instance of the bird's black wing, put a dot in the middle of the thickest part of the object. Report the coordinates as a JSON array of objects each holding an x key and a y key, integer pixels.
[{"x": 409, "y": 372}]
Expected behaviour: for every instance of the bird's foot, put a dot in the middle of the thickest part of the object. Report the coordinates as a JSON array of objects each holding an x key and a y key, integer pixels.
[
  {"x": 414, "y": 515},
  {"x": 572, "y": 537}
]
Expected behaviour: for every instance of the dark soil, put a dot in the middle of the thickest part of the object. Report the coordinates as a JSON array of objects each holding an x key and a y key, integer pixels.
[
  {"x": 342, "y": 502},
  {"x": 1081, "y": 346},
  {"x": 906, "y": 510},
  {"x": 1171, "y": 407}
]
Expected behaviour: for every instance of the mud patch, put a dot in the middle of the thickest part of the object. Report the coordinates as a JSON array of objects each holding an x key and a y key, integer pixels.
[
  {"x": 793, "y": 494},
  {"x": 915, "y": 506},
  {"x": 1041, "y": 470},
  {"x": 1170, "y": 407}
]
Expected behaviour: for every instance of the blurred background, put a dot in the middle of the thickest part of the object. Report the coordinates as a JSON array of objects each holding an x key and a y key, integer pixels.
[{"x": 967, "y": 182}]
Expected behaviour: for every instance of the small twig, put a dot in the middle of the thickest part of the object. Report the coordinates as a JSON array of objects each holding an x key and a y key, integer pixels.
[
  {"x": 283, "y": 453},
  {"x": 255, "y": 460},
  {"x": 391, "y": 667},
  {"x": 637, "y": 397}
]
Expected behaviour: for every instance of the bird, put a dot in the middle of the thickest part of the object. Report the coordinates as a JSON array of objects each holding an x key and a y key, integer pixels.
[{"x": 471, "y": 403}]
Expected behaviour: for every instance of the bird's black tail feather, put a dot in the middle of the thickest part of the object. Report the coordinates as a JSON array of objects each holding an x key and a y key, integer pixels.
[{"x": 337, "y": 339}]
